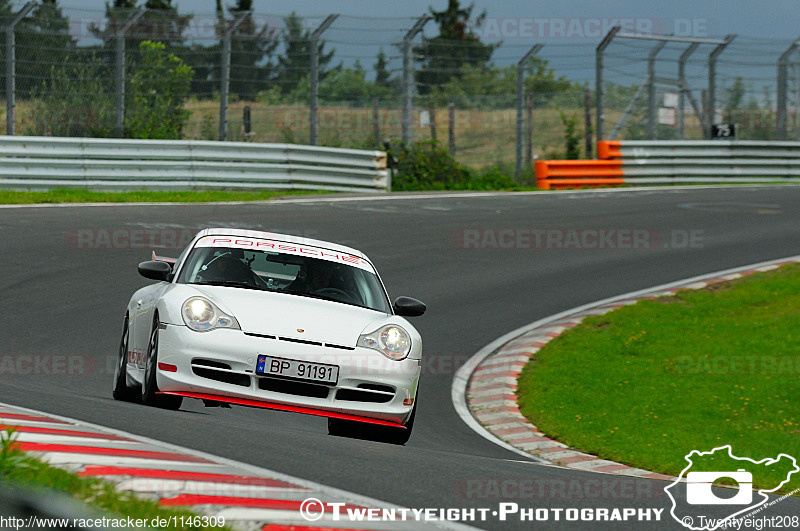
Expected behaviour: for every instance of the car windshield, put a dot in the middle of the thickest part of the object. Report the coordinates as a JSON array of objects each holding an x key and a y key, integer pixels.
[{"x": 276, "y": 271}]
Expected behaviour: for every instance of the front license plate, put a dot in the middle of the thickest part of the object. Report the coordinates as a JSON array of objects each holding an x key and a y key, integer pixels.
[{"x": 297, "y": 370}]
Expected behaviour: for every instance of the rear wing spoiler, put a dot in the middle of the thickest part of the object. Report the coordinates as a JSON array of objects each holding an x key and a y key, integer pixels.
[{"x": 167, "y": 259}]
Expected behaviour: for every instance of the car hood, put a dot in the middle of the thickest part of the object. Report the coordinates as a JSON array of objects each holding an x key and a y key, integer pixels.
[{"x": 294, "y": 316}]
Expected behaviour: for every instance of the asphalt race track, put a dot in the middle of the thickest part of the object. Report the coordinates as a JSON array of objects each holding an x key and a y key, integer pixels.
[{"x": 64, "y": 289}]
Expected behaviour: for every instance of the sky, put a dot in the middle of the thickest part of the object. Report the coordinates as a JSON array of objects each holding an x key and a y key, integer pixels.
[
  {"x": 768, "y": 18},
  {"x": 570, "y": 30}
]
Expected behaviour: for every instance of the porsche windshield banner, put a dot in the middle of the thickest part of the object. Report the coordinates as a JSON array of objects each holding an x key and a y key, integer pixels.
[{"x": 258, "y": 244}]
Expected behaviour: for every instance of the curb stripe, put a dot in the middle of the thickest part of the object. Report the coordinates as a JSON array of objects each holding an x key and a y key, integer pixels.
[
  {"x": 95, "y": 450},
  {"x": 155, "y": 473},
  {"x": 232, "y": 501}
]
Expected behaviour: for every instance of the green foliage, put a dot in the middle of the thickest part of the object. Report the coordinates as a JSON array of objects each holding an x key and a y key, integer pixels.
[
  {"x": 158, "y": 90},
  {"x": 428, "y": 166},
  {"x": 10, "y": 456},
  {"x": 343, "y": 86},
  {"x": 572, "y": 136},
  {"x": 382, "y": 76},
  {"x": 61, "y": 104},
  {"x": 457, "y": 45},
  {"x": 295, "y": 63},
  {"x": 496, "y": 88}
]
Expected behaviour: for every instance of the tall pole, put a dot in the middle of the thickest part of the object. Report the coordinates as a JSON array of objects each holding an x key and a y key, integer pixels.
[
  {"x": 11, "y": 65},
  {"x": 587, "y": 117},
  {"x": 683, "y": 86},
  {"x": 314, "y": 51},
  {"x": 598, "y": 82},
  {"x": 408, "y": 76},
  {"x": 712, "y": 80},
  {"x": 521, "y": 102},
  {"x": 225, "y": 75},
  {"x": 651, "y": 90},
  {"x": 119, "y": 35},
  {"x": 783, "y": 61}
]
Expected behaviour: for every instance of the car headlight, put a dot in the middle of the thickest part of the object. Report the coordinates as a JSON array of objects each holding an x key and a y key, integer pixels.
[
  {"x": 202, "y": 315},
  {"x": 391, "y": 341}
]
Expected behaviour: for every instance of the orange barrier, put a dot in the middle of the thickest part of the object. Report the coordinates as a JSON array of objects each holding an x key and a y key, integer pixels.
[
  {"x": 609, "y": 149},
  {"x": 577, "y": 173}
]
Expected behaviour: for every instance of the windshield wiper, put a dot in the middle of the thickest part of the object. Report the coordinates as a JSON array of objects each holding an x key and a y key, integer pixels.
[{"x": 229, "y": 283}]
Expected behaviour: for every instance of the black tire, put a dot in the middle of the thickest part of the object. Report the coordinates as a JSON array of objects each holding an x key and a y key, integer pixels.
[
  {"x": 150, "y": 394},
  {"x": 121, "y": 390},
  {"x": 360, "y": 430}
]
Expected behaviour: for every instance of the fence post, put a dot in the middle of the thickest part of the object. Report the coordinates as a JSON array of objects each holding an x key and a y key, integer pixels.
[
  {"x": 119, "y": 66},
  {"x": 587, "y": 114},
  {"x": 432, "y": 117},
  {"x": 683, "y": 86},
  {"x": 598, "y": 79},
  {"x": 376, "y": 122},
  {"x": 781, "y": 118},
  {"x": 11, "y": 66},
  {"x": 651, "y": 90},
  {"x": 408, "y": 76},
  {"x": 529, "y": 129},
  {"x": 225, "y": 75},
  {"x": 712, "y": 80},
  {"x": 521, "y": 101},
  {"x": 314, "y": 51},
  {"x": 451, "y": 129}
]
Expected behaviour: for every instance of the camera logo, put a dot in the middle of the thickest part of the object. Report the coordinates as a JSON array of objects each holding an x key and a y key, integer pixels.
[
  {"x": 698, "y": 488},
  {"x": 754, "y": 481}
]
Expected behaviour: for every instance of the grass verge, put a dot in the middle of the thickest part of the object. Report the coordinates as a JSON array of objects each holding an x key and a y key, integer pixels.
[
  {"x": 22, "y": 470},
  {"x": 64, "y": 195},
  {"x": 648, "y": 383}
]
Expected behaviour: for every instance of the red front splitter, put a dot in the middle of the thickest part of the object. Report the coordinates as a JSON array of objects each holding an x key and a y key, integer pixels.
[{"x": 284, "y": 407}]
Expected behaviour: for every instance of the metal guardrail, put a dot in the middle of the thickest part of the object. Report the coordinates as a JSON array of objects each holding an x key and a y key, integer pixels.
[
  {"x": 50, "y": 162},
  {"x": 666, "y": 161}
]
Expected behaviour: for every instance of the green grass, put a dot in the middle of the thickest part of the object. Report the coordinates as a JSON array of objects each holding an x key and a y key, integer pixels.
[
  {"x": 648, "y": 383},
  {"x": 64, "y": 195},
  {"x": 20, "y": 470}
]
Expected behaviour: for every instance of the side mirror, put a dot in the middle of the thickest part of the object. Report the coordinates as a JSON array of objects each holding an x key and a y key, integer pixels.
[
  {"x": 408, "y": 307},
  {"x": 156, "y": 270}
]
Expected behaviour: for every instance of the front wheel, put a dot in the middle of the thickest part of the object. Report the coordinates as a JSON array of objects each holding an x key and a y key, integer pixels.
[
  {"x": 150, "y": 394},
  {"x": 121, "y": 390}
]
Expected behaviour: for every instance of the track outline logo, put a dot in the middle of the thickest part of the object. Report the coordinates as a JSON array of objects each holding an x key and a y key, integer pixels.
[{"x": 698, "y": 491}]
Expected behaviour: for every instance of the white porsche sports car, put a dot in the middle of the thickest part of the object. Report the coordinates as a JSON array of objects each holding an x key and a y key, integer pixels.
[{"x": 273, "y": 321}]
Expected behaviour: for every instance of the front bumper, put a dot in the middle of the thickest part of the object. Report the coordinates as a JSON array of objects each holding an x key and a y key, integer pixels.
[{"x": 222, "y": 363}]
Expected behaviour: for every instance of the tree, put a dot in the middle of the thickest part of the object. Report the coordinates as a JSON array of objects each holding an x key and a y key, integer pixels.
[
  {"x": 456, "y": 45},
  {"x": 382, "y": 76},
  {"x": 252, "y": 53},
  {"x": 43, "y": 42},
  {"x": 735, "y": 97},
  {"x": 296, "y": 61},
  {"x": 161, "y": 22},
  {"x": 342, "y": 86},
  {"x": 158, "y": 92}
]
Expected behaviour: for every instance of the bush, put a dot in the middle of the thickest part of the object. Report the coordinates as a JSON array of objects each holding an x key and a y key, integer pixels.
[
  {"x": 158, "y": 92},
  {"x": 428, "y": 166},
  {"x": 75, "y": 100}
]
